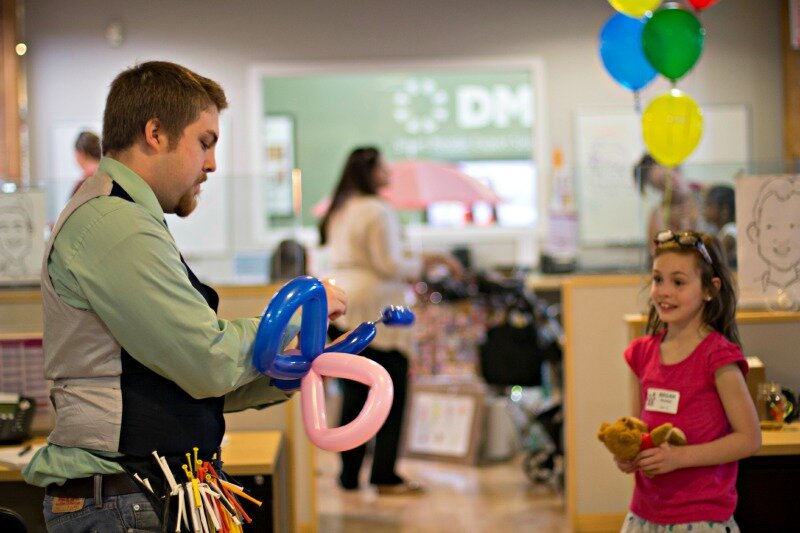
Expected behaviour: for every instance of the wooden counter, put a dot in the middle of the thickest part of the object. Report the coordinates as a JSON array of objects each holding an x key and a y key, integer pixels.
[{"x": 785, "y": 441}]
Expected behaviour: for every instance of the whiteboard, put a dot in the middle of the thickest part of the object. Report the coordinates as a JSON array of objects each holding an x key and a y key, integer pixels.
[{"x": 608, "y": 143}]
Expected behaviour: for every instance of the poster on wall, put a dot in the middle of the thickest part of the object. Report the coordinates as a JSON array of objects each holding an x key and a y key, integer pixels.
[
  {"x": 444, "y": 424},
  {"x": 278, "y": 161},
  {"x": 768, "y": 241},
  {"x": 22, "y": 222}
]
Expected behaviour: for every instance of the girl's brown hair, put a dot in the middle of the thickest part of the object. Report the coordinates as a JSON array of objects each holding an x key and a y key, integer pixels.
[{"x": 720, "y": 312}]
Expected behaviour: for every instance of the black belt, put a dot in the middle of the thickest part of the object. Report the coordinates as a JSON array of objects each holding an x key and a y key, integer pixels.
[{"x": 108, "y": 485}]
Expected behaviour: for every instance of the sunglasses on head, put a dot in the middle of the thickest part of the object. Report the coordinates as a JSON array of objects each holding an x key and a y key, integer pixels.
[{"x": 685, "y": 239}]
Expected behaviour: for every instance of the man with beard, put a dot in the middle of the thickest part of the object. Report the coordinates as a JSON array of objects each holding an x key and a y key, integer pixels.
[{"x": 138, "y": 357}]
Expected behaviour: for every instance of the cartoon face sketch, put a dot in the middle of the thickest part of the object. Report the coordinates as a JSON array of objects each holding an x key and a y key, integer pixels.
[
  {"x": 778, "y": 232},
  {"x": 775, "y": 230},
  {"x": 16, "y": 238}
]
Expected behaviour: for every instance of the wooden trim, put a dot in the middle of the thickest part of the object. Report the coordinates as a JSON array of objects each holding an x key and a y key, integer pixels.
[
  {"x": 607, "y": 280},
  {"x": 238, "y": 291},
  {"x": 570, "y": 474},
  {"x": 14, "y": 296},
  {"x": 291, "y": 448},
  {"x": 10, "y": 154},
  {"x": 742, "y": 317},
  {"x": 599, "y": 523},
  {"x": 21, "y": 336}
]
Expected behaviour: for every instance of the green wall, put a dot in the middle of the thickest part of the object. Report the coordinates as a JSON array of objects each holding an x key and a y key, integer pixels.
[{"x": 451, "y": 115}]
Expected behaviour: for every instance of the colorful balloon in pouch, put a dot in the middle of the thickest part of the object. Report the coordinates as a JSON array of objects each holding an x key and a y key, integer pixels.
[
  {"x": 634, "y": 8},
  {"x": 622, "y": 54},
  {"x": 672, "y": 125},
  {"x": 672, "y": 40}
]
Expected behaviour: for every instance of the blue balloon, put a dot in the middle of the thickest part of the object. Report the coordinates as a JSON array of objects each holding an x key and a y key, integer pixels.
[
  {"x": 286, "y": 369},
  {"x": 395, "y": 315},
  {"x": 306, "y": 292},
  {"x": 622, "y": 53},
  {"x": 356, "y": 341},
  {"x": 362, "y": 335}
]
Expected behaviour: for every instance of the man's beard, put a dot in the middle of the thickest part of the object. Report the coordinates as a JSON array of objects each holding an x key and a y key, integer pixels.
[{"x": 186, "y": 204}]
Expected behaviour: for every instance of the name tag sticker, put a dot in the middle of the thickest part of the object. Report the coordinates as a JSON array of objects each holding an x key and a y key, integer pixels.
[{"x": 662, "y": 401}]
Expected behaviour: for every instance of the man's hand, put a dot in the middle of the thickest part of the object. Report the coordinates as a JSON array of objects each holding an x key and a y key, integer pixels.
[{"x": 337, "y": 299}]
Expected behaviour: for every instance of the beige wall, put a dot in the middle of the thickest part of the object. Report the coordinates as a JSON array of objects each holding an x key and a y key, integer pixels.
[{"x": 70, "y": 64}]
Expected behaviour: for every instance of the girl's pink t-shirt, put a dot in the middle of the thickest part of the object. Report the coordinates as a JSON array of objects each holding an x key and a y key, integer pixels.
[{"x": 689, "y": 494}]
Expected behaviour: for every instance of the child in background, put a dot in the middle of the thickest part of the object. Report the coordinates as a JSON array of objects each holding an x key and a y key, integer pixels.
[
  {"x": 720, "y": 212},
  {"x": 690, "y": 372}
]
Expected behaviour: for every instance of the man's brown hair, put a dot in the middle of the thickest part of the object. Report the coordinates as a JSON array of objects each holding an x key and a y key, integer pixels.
[
  {"x": 161, "y": 90},
  {"x": 88, "y": 144}
]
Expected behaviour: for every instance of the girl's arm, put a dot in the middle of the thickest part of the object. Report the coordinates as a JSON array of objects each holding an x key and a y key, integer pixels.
[
  {"x": 743, "y": 441},
  {"x": 636, "y": 396}
]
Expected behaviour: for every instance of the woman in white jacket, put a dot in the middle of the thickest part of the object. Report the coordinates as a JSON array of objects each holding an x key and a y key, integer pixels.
[{"x": 369, "y": 260}]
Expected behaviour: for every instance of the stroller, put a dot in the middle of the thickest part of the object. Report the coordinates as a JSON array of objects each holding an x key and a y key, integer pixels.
[{"x": 521, "y": 359}]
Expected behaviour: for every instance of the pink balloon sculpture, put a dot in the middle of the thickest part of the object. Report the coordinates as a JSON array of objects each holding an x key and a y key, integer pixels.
[
  {"x": 372, "y": 415},
  {"x": 309, "y": 365}
]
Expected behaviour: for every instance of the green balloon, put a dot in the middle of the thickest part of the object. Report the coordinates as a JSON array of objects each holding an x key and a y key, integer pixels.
[{"x": 672, "y": 40}]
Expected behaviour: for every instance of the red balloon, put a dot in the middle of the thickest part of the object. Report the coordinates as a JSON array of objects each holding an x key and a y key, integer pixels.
[{"x": 700, "y": 5}]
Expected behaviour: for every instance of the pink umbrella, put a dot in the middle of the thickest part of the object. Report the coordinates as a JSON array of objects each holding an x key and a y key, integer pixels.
[{"x": 415, "y": 184}]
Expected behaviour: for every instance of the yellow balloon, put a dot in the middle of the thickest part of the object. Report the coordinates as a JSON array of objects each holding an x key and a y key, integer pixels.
[
  {"x": 634, "y": 8},
  {"x": 672, "y": 126}
]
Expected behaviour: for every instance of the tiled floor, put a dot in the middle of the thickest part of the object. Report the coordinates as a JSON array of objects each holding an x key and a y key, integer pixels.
[{"x": 488, "y": 498}]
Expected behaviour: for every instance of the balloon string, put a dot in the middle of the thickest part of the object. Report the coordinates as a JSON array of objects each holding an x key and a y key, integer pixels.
[
  {"x": 637, "y": 102},
  {"x": 667, "y": 204}
]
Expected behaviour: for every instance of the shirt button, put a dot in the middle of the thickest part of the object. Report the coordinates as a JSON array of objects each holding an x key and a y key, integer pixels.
[{"x": 136, "y": 507}]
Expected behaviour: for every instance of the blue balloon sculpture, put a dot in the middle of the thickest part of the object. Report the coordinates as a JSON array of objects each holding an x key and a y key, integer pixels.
[
  {"x": 305, "y": 292},
  {"x": 286, "y": 369},
  {"x": 363, "y": 334},
  {"x": 622, "y": 53}
]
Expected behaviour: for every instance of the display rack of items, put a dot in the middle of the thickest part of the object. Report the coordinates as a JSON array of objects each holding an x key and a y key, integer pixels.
[{"x": 446, "y": 338}]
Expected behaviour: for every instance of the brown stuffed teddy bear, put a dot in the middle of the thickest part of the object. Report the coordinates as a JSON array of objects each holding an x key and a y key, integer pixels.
[{"x": 626, "y": 437}]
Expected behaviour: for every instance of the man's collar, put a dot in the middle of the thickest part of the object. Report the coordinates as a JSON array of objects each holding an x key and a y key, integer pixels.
[{"x": 133, "y": 184}]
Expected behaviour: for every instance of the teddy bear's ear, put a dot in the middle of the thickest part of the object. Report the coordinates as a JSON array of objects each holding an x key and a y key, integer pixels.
[
  {"x": 637, "y": 423},
  {"x": 601, "y": 435},
  {"x": 660, "y": 433},
  {"x": 676, "y": 437}
]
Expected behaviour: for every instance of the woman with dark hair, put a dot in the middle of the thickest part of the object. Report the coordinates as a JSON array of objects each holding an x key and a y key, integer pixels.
[{"x": 369, "y": 261}]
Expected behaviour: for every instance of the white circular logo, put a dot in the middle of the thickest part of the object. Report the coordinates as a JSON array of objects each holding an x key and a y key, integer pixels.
[{"x": 420, "y": 106}]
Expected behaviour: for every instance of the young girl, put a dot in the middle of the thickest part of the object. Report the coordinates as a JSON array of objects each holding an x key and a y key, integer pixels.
[{"x": 690, "y": 372}]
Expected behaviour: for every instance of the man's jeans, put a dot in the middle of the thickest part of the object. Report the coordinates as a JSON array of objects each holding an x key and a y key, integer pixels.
[{"x": 128, "y": 513}]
